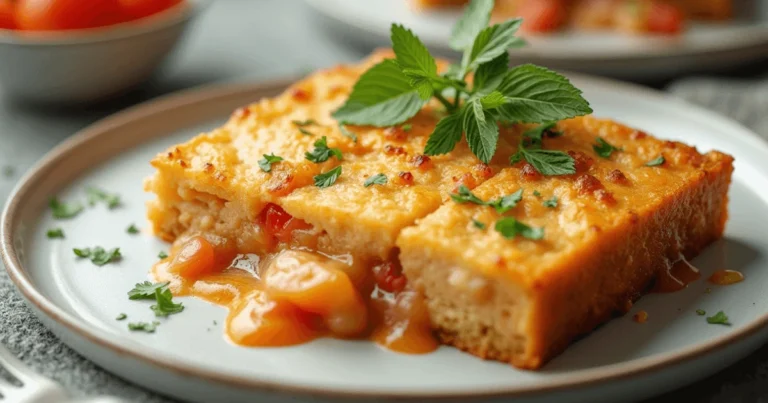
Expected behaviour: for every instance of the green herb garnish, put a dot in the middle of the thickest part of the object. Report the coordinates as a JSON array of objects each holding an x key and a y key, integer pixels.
[
  {"x": 536, "y": 193},
  {"x": 304, "y": 123},
  {"x": 327, "y": 179},
  {"x": 266, "y": 163},
  {"x": 98, "y": 255},
  {"x": 510, "y": 227},
  {"x": 551, "y": 203},
  {"x": 656, "y": 161},
  {"x": 132, "y": 229},
  {"x": 305, "y": 132},
  {"x": 322, "y": 152},
  {"x": 394, "y": 90},
  {"x": 718, "y": 319},
  {"x": 547, "y": 162},
  {"x": 162, "y": 255},
  {"x": 502, "y": 204},
  {"x": 406, "y": 127},
  {"x": 55, "y": 233},
  {"x": 378, "y": 179},
  {"x": 165, "y": 305},
  {"x": 701, "y": 312},
  {"x": 143, "y": 326},
  {"x": 61, "y": 210},
  {"x": 96, "y": 195},
  {"x": 478, "y": 224},
  {"x": 122, "y": 316},
  {"x": 604, "y": 149},
  {"x": 347, "y": 133},
  {"x": 146, "y": 290}
]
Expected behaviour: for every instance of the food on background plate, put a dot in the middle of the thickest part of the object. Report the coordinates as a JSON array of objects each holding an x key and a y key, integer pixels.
[
  {"x": 397, "y": 201},
  {"x": 631, "y": 16},
  {"x": 58, "y": 15}
]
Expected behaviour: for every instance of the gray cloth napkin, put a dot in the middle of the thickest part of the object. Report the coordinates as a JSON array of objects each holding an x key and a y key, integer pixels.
[{"x": 746, "y": 381}]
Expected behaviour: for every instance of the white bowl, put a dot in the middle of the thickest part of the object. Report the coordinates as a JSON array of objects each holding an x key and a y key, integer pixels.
[{"x": 88, "y": 65}]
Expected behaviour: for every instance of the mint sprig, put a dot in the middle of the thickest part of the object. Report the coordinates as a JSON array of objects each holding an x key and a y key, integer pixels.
[{"x": 395, "y": 90}]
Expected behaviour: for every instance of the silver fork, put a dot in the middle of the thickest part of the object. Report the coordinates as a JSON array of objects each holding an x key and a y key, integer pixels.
[{"x": 34, "y": 388}]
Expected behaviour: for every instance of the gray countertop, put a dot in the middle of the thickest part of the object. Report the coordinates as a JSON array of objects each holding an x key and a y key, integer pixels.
[{"x": 240, "y": 40}]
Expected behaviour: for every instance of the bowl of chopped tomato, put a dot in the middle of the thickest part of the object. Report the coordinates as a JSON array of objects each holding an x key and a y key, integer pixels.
[{"x": 78, "y": 51}]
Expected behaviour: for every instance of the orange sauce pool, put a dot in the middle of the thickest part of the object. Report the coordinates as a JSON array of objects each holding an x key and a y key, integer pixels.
[
  {"x": 295, "y": 295},
  {"x": 677, "y": 276},
  {"x": 726, "y": 277}
]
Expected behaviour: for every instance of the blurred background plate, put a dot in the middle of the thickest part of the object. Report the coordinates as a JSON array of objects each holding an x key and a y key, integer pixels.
[{"x": 703, "y": 47}]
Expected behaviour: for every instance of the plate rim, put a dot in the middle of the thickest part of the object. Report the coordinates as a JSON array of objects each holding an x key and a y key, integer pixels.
[
  {"x": 755, "y": 37},
  {"x": 587, "y": 377}
]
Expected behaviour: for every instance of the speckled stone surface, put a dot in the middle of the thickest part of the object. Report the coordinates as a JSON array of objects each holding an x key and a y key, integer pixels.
[{"x": 229, "y": 43}]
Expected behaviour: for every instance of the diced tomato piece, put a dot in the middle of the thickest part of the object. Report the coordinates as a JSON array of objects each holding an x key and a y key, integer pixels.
[
  {"x": 279, "y": 224},
  {"x": 195, "y": 259},
  {"x": 7, "y": 16},
  {"x": 542, "y": 15},
  {"x": 664, "y": 18},
  {"x": 389, "y": 276}
]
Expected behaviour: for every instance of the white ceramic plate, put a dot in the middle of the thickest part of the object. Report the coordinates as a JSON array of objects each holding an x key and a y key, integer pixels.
[
  {"x": 703, "y": 47},
  {"x": 188, "y": 357}
]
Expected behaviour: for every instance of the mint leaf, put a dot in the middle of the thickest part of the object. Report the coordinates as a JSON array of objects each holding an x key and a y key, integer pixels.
[
  {"x": 656, "y": 161},
  {"x": 55, "y": 233},
  {"x": 535, "y": 137},
  {"x": 718, "y": 319},
  {"x": 478, "y": 224},
  {"x": 476, "y": 17},
  {"x": 383, "y": 96},
  {"x": 508, "y": 202},
  {"x": 447, "y": 133},
  {"x": 550, "y": 162},
  {"x": 493, "y": 100},
  {"x": 378, "y": 179},
  {"x": 165, "y": 305},
  {"x": 146, "y": 290},
  {"x": 412, "y": 56},
  {"x": 510, "y": 227},
  {"x": 266, "y": 163},
  {"x": 96, "y": 195},
  {"x": 347, "y": 133},
  {"x": 327, "y": 179},
  {"x": 604, "y": 149},
  {"x": 322, "y": 153},
  {"x": 481, "y": 130},
  {"x": 538, "y": 95},
  {"x": 62, "y": 211},
  {"x": 492, "y": 42},
  {"x": 490, "y": 74},
  {"x": 551, "y": 203}
]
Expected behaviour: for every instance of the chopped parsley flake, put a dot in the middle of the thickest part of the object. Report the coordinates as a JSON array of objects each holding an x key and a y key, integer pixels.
[
  {"x": 322, "y": 152},
  {"x": 64, "y": 210},
  {"x": 406, "y": 127},
  {"x": 96, "y": 195},
  {"x": 378, "y": 179},
  {"x": 304, "y": 123},
  {"x": 55, "y": 233},
  {"x": 718, "y": 319},
  {"x": 305, "y": 132},
  {"x": 502, "y": 204},
  {"x": 701, "y": 312},
  {"x": 165, "y": 305},
  {"x": 122, "y": 316},
  {"x": 510, "y": 227},
  {"x": 551, "y": 203},
  {"x": 162, "y": 255},
  {"x": 536, "y": 193},
  {"x": 98, "y": 255},
  {"x": 266, "y": 163},
  {"x": 478, "y": 224},
  {"x": 146, "y": 290},
  {"x": 132, "y": 229},
  {"x": 347, "y": 133},
  {"x": 327, "y": 179},
  {"x": 656, "y": 161},
  {"x": 604, "y": 149},
  {"x": 143, "y": 326}
]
